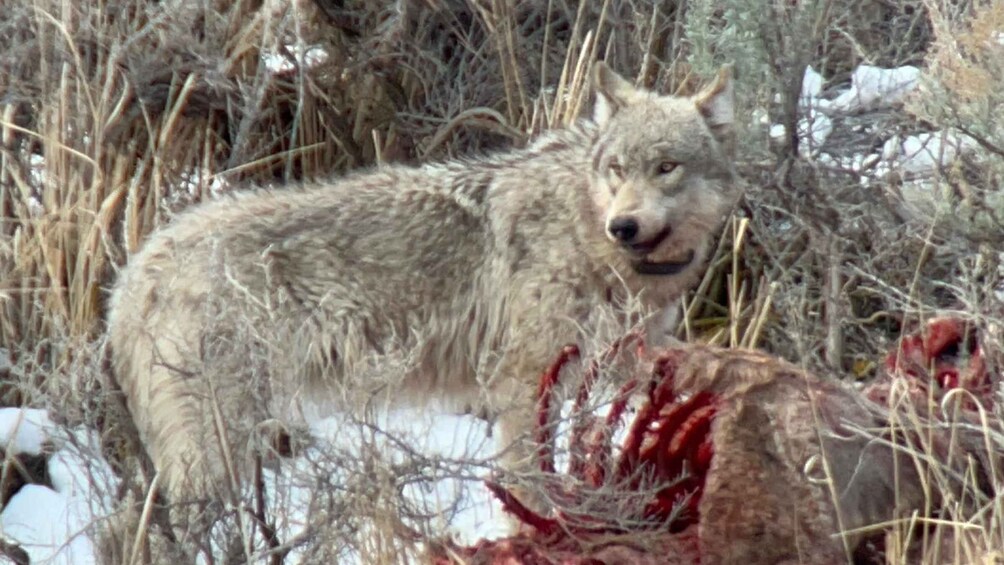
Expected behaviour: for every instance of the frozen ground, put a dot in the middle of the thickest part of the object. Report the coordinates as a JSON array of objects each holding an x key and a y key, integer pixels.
[{"x": 49, "y": 523}]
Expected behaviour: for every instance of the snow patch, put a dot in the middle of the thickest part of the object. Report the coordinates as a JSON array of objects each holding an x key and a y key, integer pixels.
[
  {"x": 813, "y": 130},
  {"x": 874, "y": 87},
  {"x": 49, "y": 526},
  {"x": 812, "y": 87},
  {"x": 24, "y": 430},
  {"x": 915, "y": 156},
  {"x": 924, "y": 153},
  {"x": 450, "y": 437},
  {"x": 79, "y": 471},
  {"x": 303, "y": 57},
  {"x": 52, "y": 524}
]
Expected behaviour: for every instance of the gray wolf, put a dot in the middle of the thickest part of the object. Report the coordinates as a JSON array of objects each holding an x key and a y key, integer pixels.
[{"x": 470, "y": 273}]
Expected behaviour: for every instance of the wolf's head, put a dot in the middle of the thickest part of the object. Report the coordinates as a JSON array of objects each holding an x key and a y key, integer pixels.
[{"x": 662, "y": 169}]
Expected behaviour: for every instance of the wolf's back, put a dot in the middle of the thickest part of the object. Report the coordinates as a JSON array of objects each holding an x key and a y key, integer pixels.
[{"x": 334, "y": 271}]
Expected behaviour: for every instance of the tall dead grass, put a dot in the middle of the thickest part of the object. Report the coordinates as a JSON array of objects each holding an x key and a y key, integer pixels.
[{"x": 114, "y": 116}]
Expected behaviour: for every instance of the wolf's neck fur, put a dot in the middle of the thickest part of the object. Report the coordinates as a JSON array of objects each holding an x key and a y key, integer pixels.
[{"x": 564, "y": 158}]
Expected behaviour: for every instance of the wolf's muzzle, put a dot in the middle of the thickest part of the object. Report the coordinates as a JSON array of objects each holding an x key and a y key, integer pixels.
[
  {"x": 665, "y": 267},
  {"x": 643, "y": 248}
]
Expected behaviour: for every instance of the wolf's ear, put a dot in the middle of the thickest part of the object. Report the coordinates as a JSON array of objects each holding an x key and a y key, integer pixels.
[
  {"x": 613, "y": 92},
  {"x": 716, "y": 103}
]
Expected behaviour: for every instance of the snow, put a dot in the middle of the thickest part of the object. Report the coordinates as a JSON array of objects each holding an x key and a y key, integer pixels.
[
  {"x": 434, "y": 434},
  {"x": 50, "y": 523},
  {"x": 815, "y": 126},
  {"x": 813, "y": 131},
  {"x": 871, "y": 87},
  {"x": 812, "y": 86},
  {"x": 24, "y": 430},
  {"x": 78, "y": 471},
  {"x": 874, "y": 87},
  {"x": 916, "y": 157},
  {"x": 924, "y": 153},
  {"x": 304, "y": 57}
]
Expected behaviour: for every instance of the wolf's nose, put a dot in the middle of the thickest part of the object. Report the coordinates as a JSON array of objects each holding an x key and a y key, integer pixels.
[{"x": 623, "y": 229}]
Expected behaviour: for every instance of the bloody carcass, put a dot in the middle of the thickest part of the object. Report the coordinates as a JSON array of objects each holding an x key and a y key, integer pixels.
[{"x": 735, "y": 456}]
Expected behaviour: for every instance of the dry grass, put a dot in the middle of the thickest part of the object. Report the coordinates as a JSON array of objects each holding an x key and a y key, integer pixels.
[{"x": 138, "y": 109}]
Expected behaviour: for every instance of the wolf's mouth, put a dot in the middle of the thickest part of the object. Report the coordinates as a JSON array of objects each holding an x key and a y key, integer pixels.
[
  {"x": 644, "y": 267},
  {"x": 643, "y": 248}
]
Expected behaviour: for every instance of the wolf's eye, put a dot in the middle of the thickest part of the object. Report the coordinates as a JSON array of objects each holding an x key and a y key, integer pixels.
[
  {"x": 666, "y": 167},
  {"x": 615, "y": 168}
]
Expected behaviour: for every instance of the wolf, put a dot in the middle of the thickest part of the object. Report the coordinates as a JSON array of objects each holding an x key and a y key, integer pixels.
[{"x": 472, "y": 273}]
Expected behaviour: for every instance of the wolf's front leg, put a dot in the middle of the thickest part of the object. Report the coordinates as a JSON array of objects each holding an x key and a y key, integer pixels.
[
  {"x": 519, "y": 449},
  {"x": 526, "y": 425},
  {"x": 661, "y": 326},
  {"x": 544, "y": 316}
]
